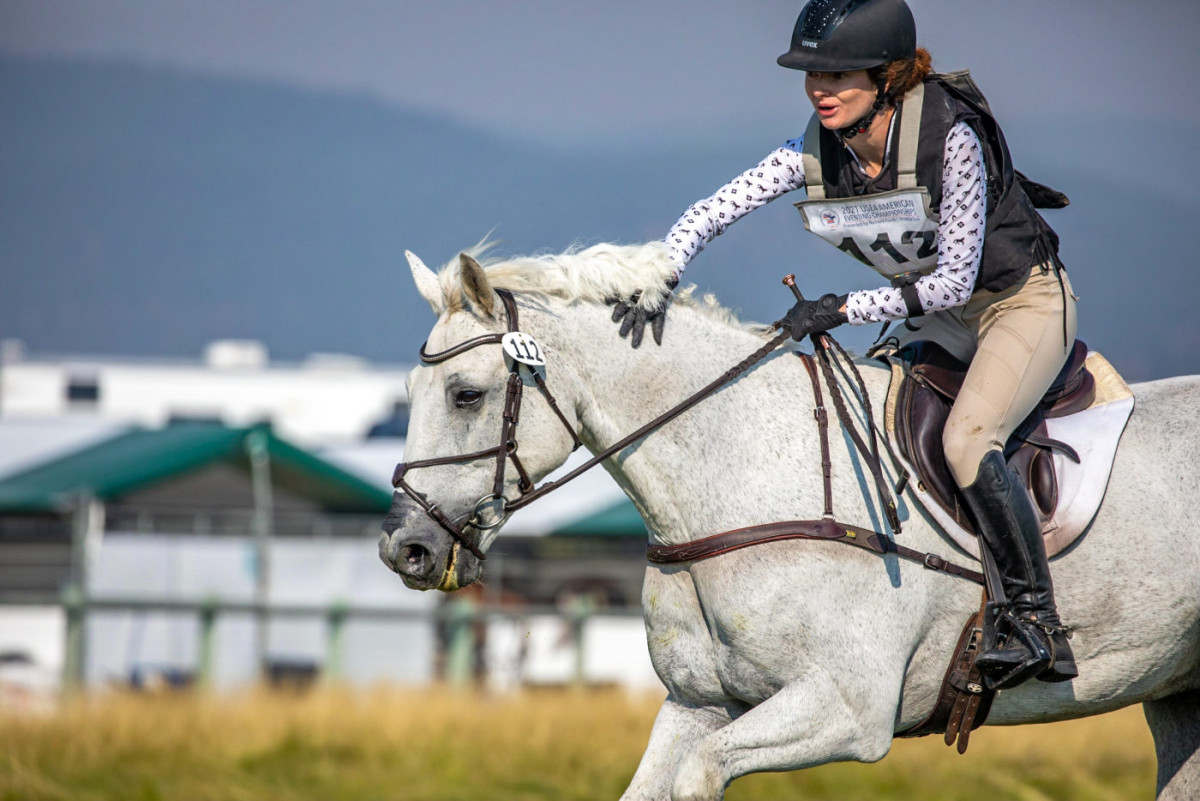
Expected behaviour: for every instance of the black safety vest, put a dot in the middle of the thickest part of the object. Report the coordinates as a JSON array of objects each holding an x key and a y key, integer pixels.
[{"x": 1016, "y": 237}]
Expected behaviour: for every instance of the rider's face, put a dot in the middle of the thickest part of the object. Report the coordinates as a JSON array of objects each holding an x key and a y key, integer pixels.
[{"x": 840, "y": 98}]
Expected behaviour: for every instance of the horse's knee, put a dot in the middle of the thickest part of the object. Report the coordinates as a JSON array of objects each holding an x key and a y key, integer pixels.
[{"x": 698, "y": 777}]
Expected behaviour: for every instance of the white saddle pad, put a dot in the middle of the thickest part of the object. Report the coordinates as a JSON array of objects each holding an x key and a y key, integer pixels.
[{"x": 1094, "y": 433}]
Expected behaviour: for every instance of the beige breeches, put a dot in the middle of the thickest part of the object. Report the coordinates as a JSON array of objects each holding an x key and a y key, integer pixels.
[{"x": 1013, "y": 340}]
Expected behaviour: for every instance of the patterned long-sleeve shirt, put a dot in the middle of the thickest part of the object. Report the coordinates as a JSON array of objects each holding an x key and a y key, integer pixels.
[{"x": 960, "y": 227}]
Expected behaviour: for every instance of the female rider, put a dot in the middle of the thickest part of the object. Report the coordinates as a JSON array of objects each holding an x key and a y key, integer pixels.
[{"x": 935, "y": 206}]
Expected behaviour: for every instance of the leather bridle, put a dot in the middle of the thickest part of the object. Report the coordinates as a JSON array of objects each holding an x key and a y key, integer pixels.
[
  {"x": 507, "y": 449},
  {"x": 503, "y": 453}
]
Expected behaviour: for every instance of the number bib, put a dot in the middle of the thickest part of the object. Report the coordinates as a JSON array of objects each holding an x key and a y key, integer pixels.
[{"x": 892, "y": 232}]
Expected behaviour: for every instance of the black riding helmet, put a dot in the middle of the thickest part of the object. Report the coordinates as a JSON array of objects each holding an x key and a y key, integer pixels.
[{"x": 848, "y": 35}]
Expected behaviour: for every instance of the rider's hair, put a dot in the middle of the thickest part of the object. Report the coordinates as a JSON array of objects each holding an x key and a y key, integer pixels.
[{"x": 903, "y": 75}]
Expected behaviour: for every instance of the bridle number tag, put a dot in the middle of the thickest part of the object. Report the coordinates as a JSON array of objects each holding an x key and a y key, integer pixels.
[{"x": 522, "y": 349}]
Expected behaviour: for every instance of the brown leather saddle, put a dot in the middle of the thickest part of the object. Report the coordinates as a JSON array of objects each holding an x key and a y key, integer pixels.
[{"x": 932, "y": 380}]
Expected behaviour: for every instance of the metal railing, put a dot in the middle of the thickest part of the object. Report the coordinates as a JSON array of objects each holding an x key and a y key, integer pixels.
[{"x": 458, "y": 616}]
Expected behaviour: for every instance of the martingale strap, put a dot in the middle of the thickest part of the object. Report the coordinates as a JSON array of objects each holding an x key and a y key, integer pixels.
[
  {"x": 822, "y": 418},
  {"x": 821, "y": 346},
  {"x": 827, "y": 528}
]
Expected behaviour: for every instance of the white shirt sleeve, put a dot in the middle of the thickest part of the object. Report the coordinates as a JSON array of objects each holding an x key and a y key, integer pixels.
[
  {"x": 780, "y": 172},
  {"x": 963, "y": 214}
]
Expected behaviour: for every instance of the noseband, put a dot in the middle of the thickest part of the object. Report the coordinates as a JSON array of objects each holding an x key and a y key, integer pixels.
[{"x": 503, "y": 453}]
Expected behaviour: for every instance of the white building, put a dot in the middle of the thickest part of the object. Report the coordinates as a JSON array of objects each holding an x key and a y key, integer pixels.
[{"x": 325, "y": 399}]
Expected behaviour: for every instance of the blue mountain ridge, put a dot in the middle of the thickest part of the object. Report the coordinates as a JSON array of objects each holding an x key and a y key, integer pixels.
[{"x": 146, "y": 211}]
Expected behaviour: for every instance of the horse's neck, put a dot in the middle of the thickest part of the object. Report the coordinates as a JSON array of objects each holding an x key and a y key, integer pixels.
[{"x": 721, "y": 464}]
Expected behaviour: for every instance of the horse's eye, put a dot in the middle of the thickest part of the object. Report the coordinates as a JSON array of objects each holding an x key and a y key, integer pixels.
[{"x": 466, "y": 398}]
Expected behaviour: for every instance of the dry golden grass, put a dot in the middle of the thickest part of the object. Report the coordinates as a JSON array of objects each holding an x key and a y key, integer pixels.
[{"x": 435, "y": 744}]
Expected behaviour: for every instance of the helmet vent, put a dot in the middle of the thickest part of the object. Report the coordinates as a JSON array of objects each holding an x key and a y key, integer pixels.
[{"x": 821, "y": 17}]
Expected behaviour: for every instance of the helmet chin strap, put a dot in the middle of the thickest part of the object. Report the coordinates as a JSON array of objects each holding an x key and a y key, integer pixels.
[{"x": 864, "y": 123}]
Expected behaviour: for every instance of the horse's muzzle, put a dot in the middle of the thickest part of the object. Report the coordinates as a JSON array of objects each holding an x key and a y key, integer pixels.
[{"x": 425, "y": 556}]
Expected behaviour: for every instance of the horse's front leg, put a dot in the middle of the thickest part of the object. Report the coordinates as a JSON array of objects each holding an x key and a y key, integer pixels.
[
  {"x": 819, "y": 718},
  {"x": 682, "y": 652},
  {"x": 678, "y": 727}
]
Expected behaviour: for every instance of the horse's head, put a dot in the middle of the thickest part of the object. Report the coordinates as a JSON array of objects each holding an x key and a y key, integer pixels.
[{"x": 451, "y": 498}]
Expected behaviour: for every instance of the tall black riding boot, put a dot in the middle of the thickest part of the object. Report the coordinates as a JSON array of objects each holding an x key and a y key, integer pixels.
[{"x": 1009, "y": 528}]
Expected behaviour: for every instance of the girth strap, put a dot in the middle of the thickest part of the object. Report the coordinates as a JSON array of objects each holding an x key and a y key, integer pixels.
[
  {"x": 824, "y": 529},
  {"x": 963, "y": 702}
]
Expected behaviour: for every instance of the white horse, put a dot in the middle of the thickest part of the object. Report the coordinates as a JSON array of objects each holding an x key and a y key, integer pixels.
[{"x": 791, "y": 654}]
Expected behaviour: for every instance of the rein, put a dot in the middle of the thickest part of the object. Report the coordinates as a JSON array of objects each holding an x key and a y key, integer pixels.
[
  {"x": 507, "y": 449},
  {"x": 826, "y": 528}
]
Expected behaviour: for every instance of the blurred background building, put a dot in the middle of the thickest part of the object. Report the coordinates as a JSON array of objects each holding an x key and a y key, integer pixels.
[
  {"x": 324, "y": 399},
  {"x": 217, "y": 521}
]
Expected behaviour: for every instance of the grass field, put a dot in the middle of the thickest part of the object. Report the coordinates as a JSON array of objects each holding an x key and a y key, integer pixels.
[{"x": 433, "y": 744}]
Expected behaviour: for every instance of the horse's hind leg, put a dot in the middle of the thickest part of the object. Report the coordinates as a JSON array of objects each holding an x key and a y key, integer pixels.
[{"x": 1175, "y": 723}]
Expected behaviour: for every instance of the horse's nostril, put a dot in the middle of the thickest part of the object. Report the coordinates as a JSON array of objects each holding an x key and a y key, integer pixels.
[
  {"x": 413, "y": 555},
  {"x": 413, "y": 560}
]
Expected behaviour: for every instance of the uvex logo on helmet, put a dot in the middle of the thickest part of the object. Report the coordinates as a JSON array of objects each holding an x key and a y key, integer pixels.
[{"x": 848, "y": 35}]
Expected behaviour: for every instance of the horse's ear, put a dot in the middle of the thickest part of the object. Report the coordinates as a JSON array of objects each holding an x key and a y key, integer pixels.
[
  {"x": 426, "y": 281},
  {"x": 475, "y": 284}
]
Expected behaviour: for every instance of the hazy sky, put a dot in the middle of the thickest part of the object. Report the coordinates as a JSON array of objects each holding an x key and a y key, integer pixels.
[
  {"x": 1096, "y": 96},
  {"x": 625, "y": 70}
]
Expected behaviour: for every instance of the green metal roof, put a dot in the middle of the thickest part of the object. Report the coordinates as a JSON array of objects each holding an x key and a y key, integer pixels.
[
  {"x": 142, "y": 457},
  {"x": 619, "y": 520}
]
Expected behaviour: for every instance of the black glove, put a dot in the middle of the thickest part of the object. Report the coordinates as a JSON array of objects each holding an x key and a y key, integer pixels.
[
  {"x": 633, "y": 318},
  {"x": 814, "y": 316}
]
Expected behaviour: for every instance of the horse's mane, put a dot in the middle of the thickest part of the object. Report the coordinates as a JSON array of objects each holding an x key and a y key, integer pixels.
[{"x": 593, "y": 274}]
